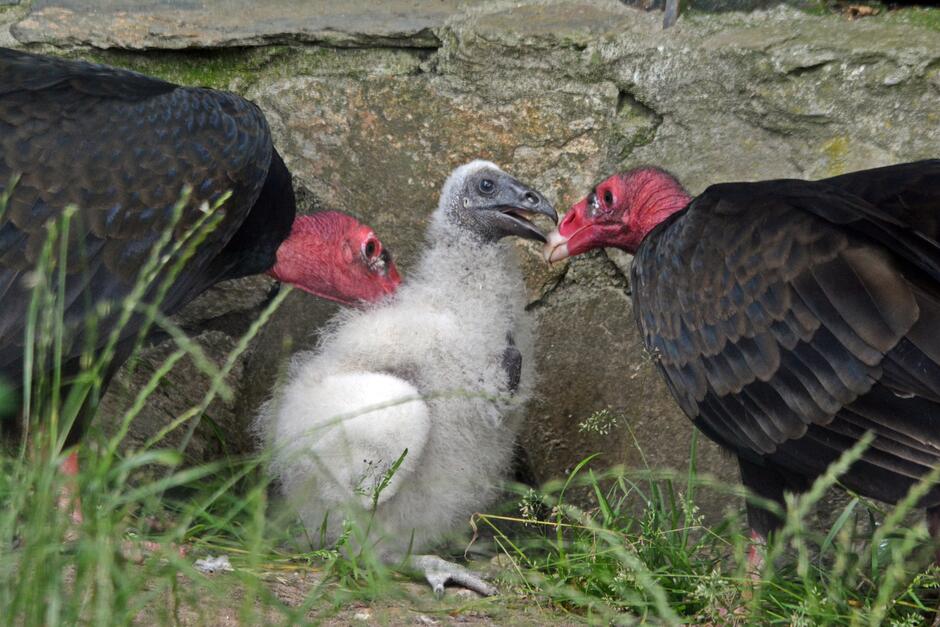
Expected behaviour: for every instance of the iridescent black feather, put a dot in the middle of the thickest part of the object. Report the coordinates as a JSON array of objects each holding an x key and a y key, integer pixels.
[
  {"x": 790, "y": 317},
  {"x": 121, "y": 147}
]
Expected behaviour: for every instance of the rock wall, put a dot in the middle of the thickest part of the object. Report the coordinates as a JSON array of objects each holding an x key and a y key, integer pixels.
[{"x": 370, "y": 119}]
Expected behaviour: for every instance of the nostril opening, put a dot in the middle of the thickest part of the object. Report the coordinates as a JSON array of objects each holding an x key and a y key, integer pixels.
[{"x": 531, "y": 198}]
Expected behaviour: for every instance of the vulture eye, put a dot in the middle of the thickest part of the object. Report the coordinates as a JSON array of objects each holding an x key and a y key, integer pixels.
[
  {"x": 487, "y": 186},
  {"x": 608, "y": 198},
  {"x": 370, "y": 248}
]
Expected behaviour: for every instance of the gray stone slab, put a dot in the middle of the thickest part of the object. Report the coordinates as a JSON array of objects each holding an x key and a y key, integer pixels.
[{"x": 176, "y": 24}]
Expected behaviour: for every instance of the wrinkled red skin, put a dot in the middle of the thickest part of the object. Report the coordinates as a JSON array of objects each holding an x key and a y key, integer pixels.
[
  {"x": 334, "y": 256},
  {"x": 622, "y": 210}
]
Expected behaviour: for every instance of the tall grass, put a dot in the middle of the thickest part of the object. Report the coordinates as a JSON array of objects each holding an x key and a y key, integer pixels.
[
  {"x": 56, "y": 570},
  {"x": 640, "y": 550},
  {"x": 603, "y": 546}
]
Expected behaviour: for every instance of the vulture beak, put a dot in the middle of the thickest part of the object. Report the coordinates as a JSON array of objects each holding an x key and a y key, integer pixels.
[
  {"x": 558, "y": 242},
  {"x": 514, "y": 205},
  {"x": 556, "y": 247}
]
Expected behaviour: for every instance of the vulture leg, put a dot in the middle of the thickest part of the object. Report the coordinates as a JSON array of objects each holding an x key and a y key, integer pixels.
[
  {"x": 68, "y": 497},
  {"x": 69, "y": 467},
  {"x": 135, "y": 551},
  {"x": 755, "y": 555},
  {"x": 770, "y": 484},
  {"x": 439, "y": 572},
  {"x": 766, "y": 483}
]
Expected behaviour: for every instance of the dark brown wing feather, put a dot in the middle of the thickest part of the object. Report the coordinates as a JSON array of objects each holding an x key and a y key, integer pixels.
[
  {"x": 789, "y": 317},
  {"x": 119, "y": 146},
  {"x": 909, "y": 192}
]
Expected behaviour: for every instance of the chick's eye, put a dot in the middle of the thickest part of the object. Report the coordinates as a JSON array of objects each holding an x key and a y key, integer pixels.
[
  {"x": 370, "y": 248},
  {"x": 487, "y": 186},
  {"x": 608, "y": 198}
]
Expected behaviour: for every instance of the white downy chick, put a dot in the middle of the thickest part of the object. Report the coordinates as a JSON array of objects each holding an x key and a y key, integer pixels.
[{"x": 430, "y": 380}]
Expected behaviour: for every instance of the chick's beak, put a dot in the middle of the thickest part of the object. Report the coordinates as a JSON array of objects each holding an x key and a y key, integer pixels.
[{"x": 516, "y": 204}]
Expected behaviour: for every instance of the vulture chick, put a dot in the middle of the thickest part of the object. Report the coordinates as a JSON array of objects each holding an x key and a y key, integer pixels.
[
  {"x": 120, "y": 147},
  {"x": 403, "y": 415},
  {"x": 789, "y": 318}
]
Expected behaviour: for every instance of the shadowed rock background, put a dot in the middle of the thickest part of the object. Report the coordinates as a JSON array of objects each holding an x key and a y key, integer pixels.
[{"x": 372, "y": 105}]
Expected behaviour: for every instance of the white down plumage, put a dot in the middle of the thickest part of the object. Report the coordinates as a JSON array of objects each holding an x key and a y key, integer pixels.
[{"x": 427, "y": 378}]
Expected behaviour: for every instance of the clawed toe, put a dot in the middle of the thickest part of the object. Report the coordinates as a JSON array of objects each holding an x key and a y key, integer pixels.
[{"x": 439, "y": 572}]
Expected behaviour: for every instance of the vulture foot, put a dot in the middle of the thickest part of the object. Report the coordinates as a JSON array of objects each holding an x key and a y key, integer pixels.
[{"x": 439, "y": 572}]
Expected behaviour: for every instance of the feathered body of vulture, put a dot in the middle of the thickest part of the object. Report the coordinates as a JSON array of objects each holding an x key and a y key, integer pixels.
[
  {"x": 120, "y": 147},
  {"x": 433, "y": 373},
  {"x": 789, "y": 317}
]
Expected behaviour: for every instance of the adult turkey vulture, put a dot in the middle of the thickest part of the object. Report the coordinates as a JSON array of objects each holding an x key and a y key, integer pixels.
[
  {"x": 120, "y": 147},
  {"x": 789, "y": 317}
]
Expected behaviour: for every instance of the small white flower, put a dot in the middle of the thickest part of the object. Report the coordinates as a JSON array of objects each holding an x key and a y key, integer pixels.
[{"x": 601, "y": 422}]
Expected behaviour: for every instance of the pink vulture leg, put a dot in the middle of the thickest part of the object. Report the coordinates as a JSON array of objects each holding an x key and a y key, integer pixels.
[
  {"x": 769, "y": 484},
  {"x": 135, "y": 551},
  {"x": 755, "y": 555},
  {"x": 68, "y": 497}
]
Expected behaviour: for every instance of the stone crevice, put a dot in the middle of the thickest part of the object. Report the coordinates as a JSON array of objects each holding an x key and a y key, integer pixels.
[
  {"x": 811, "y": 68},
  {"x": 628, "y": 107},
  {"x": 553, "y": 285}
]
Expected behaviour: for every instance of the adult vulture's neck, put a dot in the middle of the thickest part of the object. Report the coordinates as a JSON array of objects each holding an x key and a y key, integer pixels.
[{"x": 651, "y": 196}]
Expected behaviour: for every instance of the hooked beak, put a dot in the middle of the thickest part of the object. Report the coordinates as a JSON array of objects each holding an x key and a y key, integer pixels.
[
  {"x": 558, "y": 243},
  {"x": 515, "y": 205},
  {"x": 556, "y": 247}
]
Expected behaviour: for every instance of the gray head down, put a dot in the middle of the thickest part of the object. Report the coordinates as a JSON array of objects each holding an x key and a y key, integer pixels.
[{"x": 480, "y": 199}]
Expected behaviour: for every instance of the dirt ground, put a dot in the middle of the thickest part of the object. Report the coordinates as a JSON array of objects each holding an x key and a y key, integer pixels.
[{"x": 407, "y": 603}]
